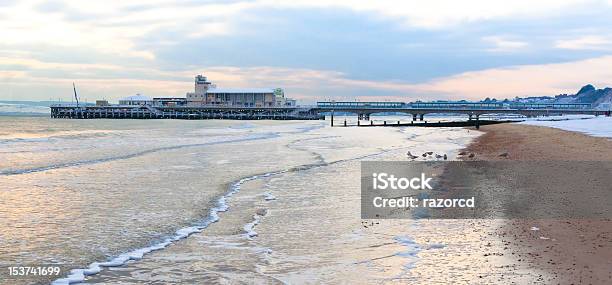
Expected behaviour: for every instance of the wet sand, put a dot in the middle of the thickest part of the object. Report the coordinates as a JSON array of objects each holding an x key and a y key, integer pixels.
[{"x": 568, "y": 251}]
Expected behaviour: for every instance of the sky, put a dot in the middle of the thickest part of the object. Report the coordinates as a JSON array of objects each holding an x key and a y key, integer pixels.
[{"x": 315, "y": 50}]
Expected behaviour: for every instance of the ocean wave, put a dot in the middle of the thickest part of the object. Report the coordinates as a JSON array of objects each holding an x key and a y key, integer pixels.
[
  {"x": 249, "y": 228},
  {"x": 7, "y": 172},
  {"x": 221, "y": 205},
  {"x": 22, "y": 108},
  {"x": 78, "y": 275},
  {"x": 34, "y": 137},
  {"x": 252, "y": 137}
]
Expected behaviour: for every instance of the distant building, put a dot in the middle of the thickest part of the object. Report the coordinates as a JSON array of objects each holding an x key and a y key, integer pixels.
[
  {"x": 241, "y": 97},
  {"x": 206, "y": 93},
  {"x": 279, "y": 97},
  {"x": 102, "y": 103},
  {"x": 170, "y": 101},
  {"x": 136, "y": 100},
  {"x": 201, "y": 87}
]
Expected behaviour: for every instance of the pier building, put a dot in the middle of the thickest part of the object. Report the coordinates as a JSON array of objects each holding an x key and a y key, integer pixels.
[
  {"x": 165, "y": 101},
  {"x": 207, "y": 94},
  {"x": 136, "y": 100}
]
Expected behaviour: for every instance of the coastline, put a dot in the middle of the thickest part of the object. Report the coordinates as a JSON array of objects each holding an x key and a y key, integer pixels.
[{"x": 566, "y": 250}]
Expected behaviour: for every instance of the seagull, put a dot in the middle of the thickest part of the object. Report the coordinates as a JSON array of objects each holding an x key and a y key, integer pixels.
[{"x": 411, "y": 156}]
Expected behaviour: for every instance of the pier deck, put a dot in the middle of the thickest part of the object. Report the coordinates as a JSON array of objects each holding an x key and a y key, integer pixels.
[
  {"x": 473, "y": 110},
  {"x": 184, "y": 112},
  {"x": 363, "y": 110}
]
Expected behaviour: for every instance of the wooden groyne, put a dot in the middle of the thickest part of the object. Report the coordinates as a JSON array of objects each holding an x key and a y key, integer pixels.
[{"x": 426, "y": 124}]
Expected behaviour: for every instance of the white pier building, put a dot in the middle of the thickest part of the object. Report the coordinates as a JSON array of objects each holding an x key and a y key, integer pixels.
[{"x": 207, "y": 94}]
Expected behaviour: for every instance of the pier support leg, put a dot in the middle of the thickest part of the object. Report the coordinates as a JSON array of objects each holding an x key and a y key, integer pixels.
[
  {"x": 421, "y": 117},
  {"x": 332, "y": 118},
  {"x": 345, "y": 122},
  {"x": 414, "y": 117}
]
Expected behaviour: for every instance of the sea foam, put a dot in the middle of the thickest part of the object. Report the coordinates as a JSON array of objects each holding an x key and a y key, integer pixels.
[{"x": 78, "y": 275}]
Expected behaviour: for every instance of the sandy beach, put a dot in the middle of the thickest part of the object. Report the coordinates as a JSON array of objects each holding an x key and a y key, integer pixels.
[{"x": 568, "y": 251}]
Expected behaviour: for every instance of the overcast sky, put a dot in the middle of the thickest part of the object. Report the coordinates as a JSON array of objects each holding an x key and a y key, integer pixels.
[{"x": 342, "y": 50}]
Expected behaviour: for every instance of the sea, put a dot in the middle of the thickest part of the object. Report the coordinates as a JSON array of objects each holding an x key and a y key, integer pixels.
[{"x": 208, "y": 202}]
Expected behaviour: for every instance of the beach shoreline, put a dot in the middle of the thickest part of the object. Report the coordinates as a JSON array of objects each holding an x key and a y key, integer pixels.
[{"x": 567, "y": 251}]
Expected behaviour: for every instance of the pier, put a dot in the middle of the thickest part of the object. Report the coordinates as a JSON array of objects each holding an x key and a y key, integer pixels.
[
  {"x": 207, "y": 101},
  {"x": 183, "y": 112},
  {"x": 210, "y": 102},
  {"x": 418, "y": 110},
  {"x": 363, "y": 111},
  {"x": 426, "y": 124}
]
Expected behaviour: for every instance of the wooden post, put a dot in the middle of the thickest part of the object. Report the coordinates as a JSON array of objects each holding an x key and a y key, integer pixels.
[{"x": 332, "y": 112}]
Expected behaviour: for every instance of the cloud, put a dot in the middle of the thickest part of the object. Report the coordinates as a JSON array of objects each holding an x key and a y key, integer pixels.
[
  {"x": 526, "y": 80},
  {"x": 311, "y": 85},
  {"x": 116, "y": 26},
  {"x": 105, "y": 80},
  {"x": 349, "y": 49},
  {"x": 111, "y": 27},
  {"x": 503, "y": 44},
  {"x": 444, "y": 13},
  {"x": 50, "y": 6},
  {"x": 591, "y": 42},
  {"x": 507, "y": 82}
]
